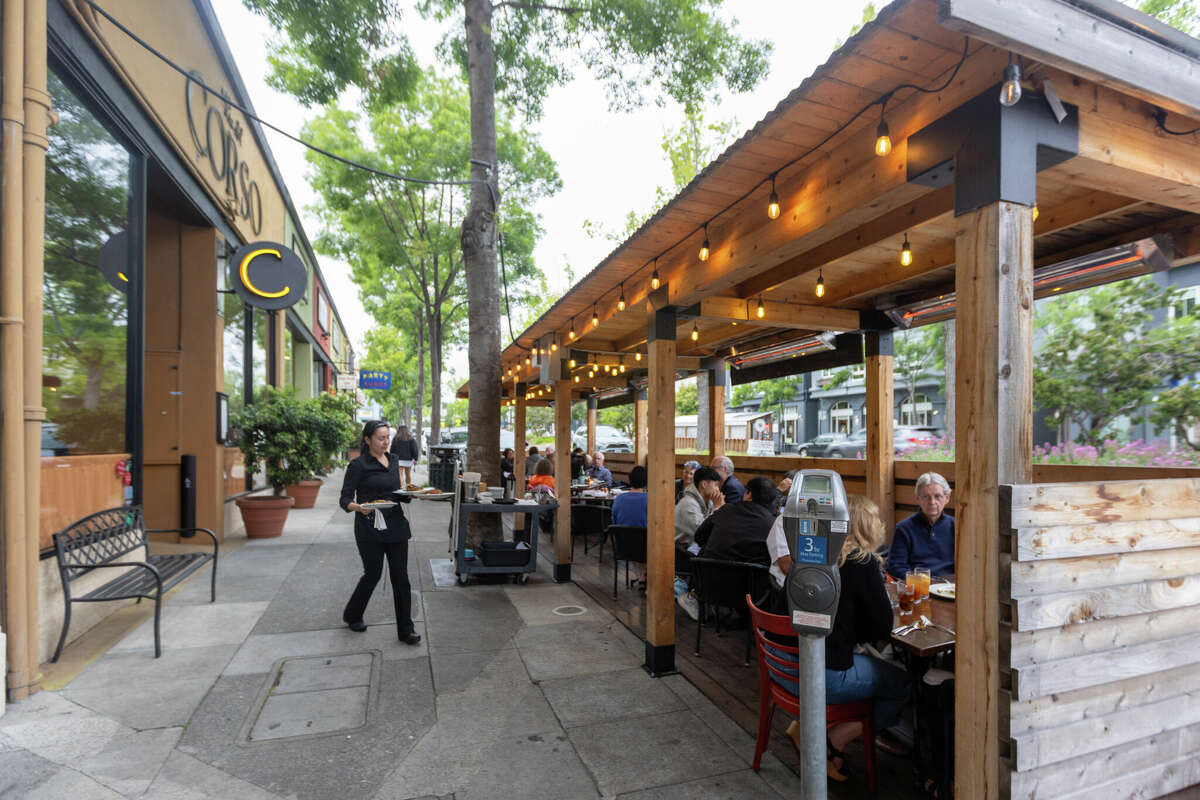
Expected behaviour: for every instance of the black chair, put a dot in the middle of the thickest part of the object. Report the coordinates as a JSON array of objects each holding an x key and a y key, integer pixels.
[
  {"x": 725, "y": 584},
  {"x": 588, "y": 519},
  {"x": 628, "y": 544}
]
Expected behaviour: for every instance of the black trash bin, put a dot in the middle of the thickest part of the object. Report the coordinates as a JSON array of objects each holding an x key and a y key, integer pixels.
[{"x": 443, "y": 467}]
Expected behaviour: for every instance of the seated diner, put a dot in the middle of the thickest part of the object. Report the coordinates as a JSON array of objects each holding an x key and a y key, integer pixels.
[
  {"x": 926, "y": 539},
  {"x": 629, "y": 508},
  {"x": 864, "y": 615},
  {"x": 738, "y": 531},
  {"x": 542, "y": 475}
]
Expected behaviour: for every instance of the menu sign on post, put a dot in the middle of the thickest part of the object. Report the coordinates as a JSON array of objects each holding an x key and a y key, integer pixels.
[{"x": 374, "y": 379}]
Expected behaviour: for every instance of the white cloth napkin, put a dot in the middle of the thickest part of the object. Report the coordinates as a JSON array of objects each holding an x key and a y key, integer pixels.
[{"x": 380, "y": 522}]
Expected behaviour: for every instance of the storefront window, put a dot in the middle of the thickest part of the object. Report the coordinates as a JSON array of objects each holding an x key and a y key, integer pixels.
[
  {"x": 235, "y": 350},
  {"x": 289, "y": 374},
  {"x": 262, "y": 324},
  {"x": 87, "y": 271}
]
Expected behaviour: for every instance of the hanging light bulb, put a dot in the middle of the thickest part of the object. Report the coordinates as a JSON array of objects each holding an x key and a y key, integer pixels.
[
  {"x": 654, "y": 281},
  {"x": 595, "y": 316},
  {"x": 1010, "y": 90},
  {"x": 760, "y": 311},
  {"x": 773, "y": 202},
  {"x": 554, "y": 347},
  {"x": 1035, "y": 212},
  {"x": 695, "y": 332},
  {"x": 622, "y": 365},
  {"x": 621, "y": 299},
  {"x": 704, "y": 249},
  {"x": 637, "y": 356},
  {"x": 883, "y": 140},
  {"x": 528, "y": 361},
  {"x": 820, "y": 283},
  {"x": 905, "y": 253},
  {"x": 572, "y": 363},
  {"x": 571, "y": 333},
  {"x": 577, "y": 379}
]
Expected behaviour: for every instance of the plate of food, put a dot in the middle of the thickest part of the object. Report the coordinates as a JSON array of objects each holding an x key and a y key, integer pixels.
[
  {"x": 432, "y": 493},
  {"x": 943, "y": 590},
  {"x": 379, "y": 505}
]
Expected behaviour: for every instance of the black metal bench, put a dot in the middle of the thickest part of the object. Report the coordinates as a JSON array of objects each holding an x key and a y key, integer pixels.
[{"x": 97, "y": 541}]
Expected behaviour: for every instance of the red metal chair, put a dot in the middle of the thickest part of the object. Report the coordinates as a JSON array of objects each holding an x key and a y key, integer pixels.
[{"x": 771, "y": 694}]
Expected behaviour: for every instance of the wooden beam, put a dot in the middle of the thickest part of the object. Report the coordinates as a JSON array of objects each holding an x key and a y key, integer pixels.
[
  {"x": 994, "y": 432},
  {"x": 1086, "y": 44},
  {"x": 591, "y": 425},
  {"x": 519, "y": 434},
  {"x": 716, "y": 414},
  {"x": 639, "y": 428},
  {"x": 881, "y": 456},
  {"x": 660, "y": 517},
  {"x": 779, "y": 315},
  {"x": 562, "y": 477}
]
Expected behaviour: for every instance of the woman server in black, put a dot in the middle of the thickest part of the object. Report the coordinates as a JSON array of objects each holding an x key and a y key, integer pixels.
[{"x": 374, "y": 476}]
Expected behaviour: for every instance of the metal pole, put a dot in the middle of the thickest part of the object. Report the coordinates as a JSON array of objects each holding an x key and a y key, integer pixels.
[{"x": 811, "y": 694}]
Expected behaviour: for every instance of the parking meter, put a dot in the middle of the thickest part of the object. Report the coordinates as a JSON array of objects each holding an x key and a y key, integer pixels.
[{"x": 816, "y": 522}]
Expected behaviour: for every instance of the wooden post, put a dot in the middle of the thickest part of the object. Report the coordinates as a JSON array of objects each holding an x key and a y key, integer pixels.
[
  {"x": 716, "y": 412},
  {"x": 519, "y": 436},
  {"x": 639, "y": 428},
  {"x": 562, "y": 479},
  {"x": 881, "y": 454},
  {"x": 660, "y": 516},
  {"x": 591, "y": 424},
  {"x": 994, "y": 397}
]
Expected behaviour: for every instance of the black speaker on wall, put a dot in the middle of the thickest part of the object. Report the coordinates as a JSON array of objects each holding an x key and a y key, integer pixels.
[{"x": 187, "y": 493}]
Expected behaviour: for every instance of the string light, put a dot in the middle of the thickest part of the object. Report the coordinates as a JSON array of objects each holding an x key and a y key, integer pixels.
[
  {"x": 571, "y": 334},
  {"x": 1035, "y": 212},
  {"x": 704, "y": 249},
  {"x": 905, "y": 253},
  {"x": 554, "y": 347},
  {"x": 762, "y": 312},
  {"x": 1010, "y": 90},
  {"x": 883, "y": 139},
  {"x": 637, "y": 356},
  {"x": 695, "y": 332},
  {"x": 654, "y": 281},
  {"x": 577, "y": 379},
  {"x": 621, "y": 299},
  {"x": 595, "y": 316},
  {"x": 622, "y": 365},
  {"x": 820, "y": 283},
  {"x": 773, "y": 202},
  {"x": 572, "y": 363},
  {"x": 528, "y": 361}
]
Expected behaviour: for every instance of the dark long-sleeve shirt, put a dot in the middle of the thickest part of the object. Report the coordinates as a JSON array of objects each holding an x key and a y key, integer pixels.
[
  {"x": 366, "y": 481},
  {"x": 916, "y": 543},
  {"x": 733, "y": 489},
  {"x": 864, "y": 613},
  {"x": 737, "y": 532},
  {"x": 405, "y": 450}
]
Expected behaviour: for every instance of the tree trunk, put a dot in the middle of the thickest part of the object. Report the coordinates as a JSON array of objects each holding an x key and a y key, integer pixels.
[
  {"x": 949, "y": 331},
  {"x": 435, "y": 375},
  {"x": 420, "y": 382},
  {"x": 479, "y": 260}
]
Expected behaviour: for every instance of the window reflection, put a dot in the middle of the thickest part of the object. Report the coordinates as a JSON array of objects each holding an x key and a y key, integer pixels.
[{"x": 84, "y": 286}]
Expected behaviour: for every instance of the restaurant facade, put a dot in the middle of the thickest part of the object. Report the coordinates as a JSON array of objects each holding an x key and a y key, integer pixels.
[{"x": 128, "y": 186}]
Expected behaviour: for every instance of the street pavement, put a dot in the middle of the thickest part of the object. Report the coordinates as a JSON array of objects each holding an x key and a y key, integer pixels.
[{"x": 515, "y": 691}]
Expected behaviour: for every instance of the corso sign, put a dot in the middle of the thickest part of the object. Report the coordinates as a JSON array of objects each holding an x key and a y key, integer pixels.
[
  {"x": 268, "y": 275},
  {"x": 217, "y": 134}
]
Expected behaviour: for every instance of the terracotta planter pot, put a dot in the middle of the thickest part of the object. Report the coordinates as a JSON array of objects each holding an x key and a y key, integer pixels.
[
  {"x": 305, "y": 492},
  {"x": 264, "y": 516}
]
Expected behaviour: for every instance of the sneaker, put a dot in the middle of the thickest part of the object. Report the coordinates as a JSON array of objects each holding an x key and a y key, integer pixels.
[{"x": 688, "y": 603}]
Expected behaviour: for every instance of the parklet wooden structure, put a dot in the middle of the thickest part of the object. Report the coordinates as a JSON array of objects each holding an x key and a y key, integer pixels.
[{"x": 905, "y": 182}]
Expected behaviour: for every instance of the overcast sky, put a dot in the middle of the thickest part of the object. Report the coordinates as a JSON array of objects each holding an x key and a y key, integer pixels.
[{"x": 610, "y": 163}]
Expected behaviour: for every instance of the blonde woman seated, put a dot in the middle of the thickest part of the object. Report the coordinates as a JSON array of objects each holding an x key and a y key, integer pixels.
[{"x": 864, "y": 614}]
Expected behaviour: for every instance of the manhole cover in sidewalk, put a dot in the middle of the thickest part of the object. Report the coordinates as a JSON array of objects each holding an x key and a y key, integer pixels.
[
  {"x": 570, "y": 611},
  {"x": 314, "y": 696}
]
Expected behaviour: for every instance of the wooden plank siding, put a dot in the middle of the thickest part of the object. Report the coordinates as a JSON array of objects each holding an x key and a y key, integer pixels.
[{"x": 1101, "y": 651}]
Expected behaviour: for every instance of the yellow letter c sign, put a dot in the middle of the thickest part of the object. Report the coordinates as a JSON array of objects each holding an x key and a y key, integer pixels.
[{"x": 268, "y": 275}]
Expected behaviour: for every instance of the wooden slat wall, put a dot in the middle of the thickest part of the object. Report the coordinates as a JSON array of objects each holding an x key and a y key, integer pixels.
[
  {"x": 75, "y": 486},
  {"x": 1101, "y": 650}
]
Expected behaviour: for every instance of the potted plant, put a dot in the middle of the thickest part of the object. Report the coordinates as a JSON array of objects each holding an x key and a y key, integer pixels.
[
  {"x": 331, "y": 417},
  {"x": 277, "y": 435}
]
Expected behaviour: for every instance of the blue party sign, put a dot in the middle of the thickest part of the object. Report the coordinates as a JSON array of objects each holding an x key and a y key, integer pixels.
[{"x": 374, "y": 379}]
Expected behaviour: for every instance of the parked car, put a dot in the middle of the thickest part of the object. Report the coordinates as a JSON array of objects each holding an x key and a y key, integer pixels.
[
  {"x": 608, "y": 439},
  {"x": 819, "y": 446},
  {"x": 904, "y": 438}
]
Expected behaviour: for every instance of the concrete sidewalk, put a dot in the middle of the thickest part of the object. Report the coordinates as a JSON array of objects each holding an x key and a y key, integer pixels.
[{"x": 515, "y": 692}]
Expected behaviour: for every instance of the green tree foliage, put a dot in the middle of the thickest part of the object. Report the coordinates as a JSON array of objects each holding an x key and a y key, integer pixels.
[
  {"x": 918, "y": 353},
  {"x": 1178, "y": 410},
  {"x": 687, "y": 400},
  {"x": 619, "y": 417},
  {"x": 774, "y": 391},
  {"x": 402, "y": 241},
  {"x": 1102, "y": 357},
  {"x": 1181, "y": 14}
]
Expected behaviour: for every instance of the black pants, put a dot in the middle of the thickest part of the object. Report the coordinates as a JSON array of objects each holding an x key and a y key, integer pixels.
[{"x": 372, "y": 551}]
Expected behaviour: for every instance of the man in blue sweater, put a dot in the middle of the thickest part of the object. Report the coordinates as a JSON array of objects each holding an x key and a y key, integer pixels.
[{"x": 926, "y": 539}]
